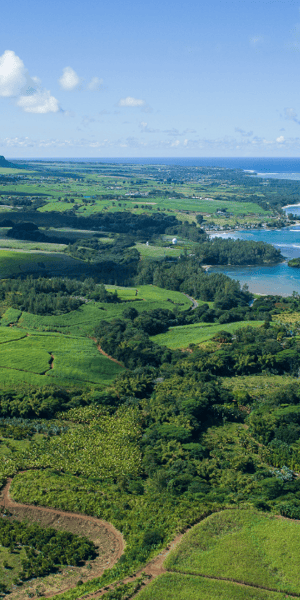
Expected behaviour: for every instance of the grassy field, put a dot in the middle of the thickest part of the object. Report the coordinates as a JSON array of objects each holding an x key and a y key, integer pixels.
[
  {"x": 55, "y": 348},
  {"x": 152, "y": 294},
  {"x": 14, "y": 263},
  {"x": 205, "y": 205},
  {"x": 9, "y": 335},
  {"x": 99, "y": 193},
  {"x": 210, "y": 205},
  {"x": 158, "y": 251},
  {"x": 182, "y": 336},
  {"x": 244, "y": 545},
  {"x": 52, "y": 358},
  {"x": 82, "y": 321},
  {"x": 187, "y": 587},
  {"x": 7, "y": 243},
  {"x": 14, "y": 563},
  {"x": 12, "y": 171}
]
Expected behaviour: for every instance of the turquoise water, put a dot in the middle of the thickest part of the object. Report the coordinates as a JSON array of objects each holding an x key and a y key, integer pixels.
[{"x": 277, "y": 279}]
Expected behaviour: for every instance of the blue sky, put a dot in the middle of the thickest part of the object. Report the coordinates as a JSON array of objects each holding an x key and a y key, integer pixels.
[{"x": 112, "y": 79}]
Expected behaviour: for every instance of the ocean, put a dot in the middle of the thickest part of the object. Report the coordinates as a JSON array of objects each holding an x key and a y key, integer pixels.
[{"x": 264, "y": 166}]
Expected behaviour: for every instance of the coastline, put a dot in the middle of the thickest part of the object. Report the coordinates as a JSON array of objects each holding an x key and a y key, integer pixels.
[{"x": 291, "y": 206}]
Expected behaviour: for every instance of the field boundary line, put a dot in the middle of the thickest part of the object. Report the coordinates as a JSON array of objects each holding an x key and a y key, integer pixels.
[{"x": 14, "y": 340}]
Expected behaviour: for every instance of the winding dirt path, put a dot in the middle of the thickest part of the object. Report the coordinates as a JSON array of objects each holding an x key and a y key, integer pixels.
[
  {"x": 108, "y": 540},
  {"x": 105, "y": 354},
  {"x": 152, "y": 570}
]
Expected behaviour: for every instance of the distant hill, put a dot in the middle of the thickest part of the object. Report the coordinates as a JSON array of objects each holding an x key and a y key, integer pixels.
[{"x": 5, "y": 163}]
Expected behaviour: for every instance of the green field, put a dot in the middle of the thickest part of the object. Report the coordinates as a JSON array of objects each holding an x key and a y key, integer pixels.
[
  {"x": 152, "y": 295},
  {"x": 245, "y": 546},
  {"x": 14, "y": 263},
  {"x": 105, "y": 189},
  {"x": 153, "y": 251},
  {"x": 43, "y": 358},
  {"x": 204, "y": 205},
  {"x": 182, "y": 336},
  {"x": 27, "y": 346},
  {"x": 7, "y": 243},
  {"x": 82, "y": 321},
  {"x": 171, "y": 586}
]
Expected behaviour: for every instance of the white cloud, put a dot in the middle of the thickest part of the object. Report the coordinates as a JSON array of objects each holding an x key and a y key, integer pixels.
[
  {"x": 39, "y": 102},
  {"x": 227, "y": 144},
  {"x": 15, "y": 82},
  {"x": 280, "y": 139},
  {"x": 129, "y": 101},
  {"x": 69, "y": 80},
  {"x": 95, "y": 84},
  {"x": 13, "y": 75}
]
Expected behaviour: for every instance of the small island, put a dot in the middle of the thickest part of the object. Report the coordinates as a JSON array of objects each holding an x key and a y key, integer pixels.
[{"x": 294, "y": 262}]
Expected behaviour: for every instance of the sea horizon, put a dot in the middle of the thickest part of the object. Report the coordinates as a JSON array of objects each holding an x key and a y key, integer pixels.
[{"x": 272, "y": 167}]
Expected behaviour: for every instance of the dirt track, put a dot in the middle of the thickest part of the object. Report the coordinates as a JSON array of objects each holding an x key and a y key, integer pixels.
[
  {"x": 108, "y": 540},
  {"x": 153, "y": 569},
  {"x": 105, "y": 354}
]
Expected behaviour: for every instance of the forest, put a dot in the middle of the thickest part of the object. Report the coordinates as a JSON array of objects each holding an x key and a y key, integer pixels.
[{"x": 53, "y": 296}]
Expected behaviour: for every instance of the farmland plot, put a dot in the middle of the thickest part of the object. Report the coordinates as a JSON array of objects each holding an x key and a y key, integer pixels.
[
  {"x": 244, "y": 546},
  {"x": 29, "y": 356}
]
